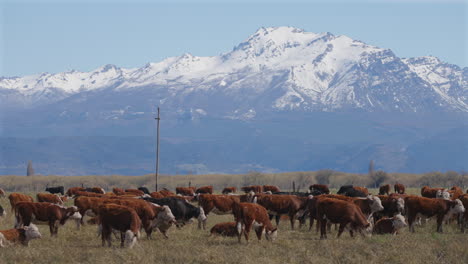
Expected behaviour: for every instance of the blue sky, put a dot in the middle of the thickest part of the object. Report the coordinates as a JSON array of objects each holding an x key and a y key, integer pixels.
[{"x": 38, "y": 36}]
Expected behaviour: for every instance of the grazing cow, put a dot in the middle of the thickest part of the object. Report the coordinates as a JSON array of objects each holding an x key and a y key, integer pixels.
[
  {"x": 429, "y": 207},
  {"x": 19, "y": 235},
  {"x": 143, "y": 210},
  {"x": 88, "y": 206},
  {"x": 15, "y": 198},
  {"x": 144, "y": 189},
  {"x": 252, "y": 188},
  {"x": 351, "y": 191},
  {"x": 343, "y": 213},
  {"x": 278, "y": 205},
  {"x": 2, "y": 211},
  {"x": 229, "y": 190},
  {"x": 120, "y": 218},
  {"x": 399, "y": 188},
  {"x": 56, "y": 189},
  {"x": 384, "y": 189},
  {"x": 2, "y": 193},
  {"x": 271, "y": 188},
  {"x": 164, "y": 218},
  {"x": 429, "y": 192},
  {"x": 248, "y": 215},
  {"x": 389, "y": 225},
  {"x": 182, "y": 210},
  {"x": 188, "y": 191},
  {"x": 228, "y": 229},
  {"x": 49, "y": 198},
  {"x": 317, "y": 189},
  {"x": 393, "y": 204},
  {"x": 72, "y": 191},
  {"x": 205, "y": 190},
  {"x": 218, "y": 204},
  {"x": 89, "y": 194},
  {"x": 95, "y": 190},
  {"x": 369, "y": 205},
  {"x": 54, "y": 214}
]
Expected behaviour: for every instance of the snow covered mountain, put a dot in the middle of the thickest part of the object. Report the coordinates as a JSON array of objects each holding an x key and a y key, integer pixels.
[{"x": 275, "y": 69}]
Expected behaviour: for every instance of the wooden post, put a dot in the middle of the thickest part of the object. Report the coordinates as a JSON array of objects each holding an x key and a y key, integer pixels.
[
  {"x": 157, "y": 150},
  {"x": 294, "y": 186}
]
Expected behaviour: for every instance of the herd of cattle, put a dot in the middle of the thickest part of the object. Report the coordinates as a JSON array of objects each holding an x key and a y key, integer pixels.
[{"x": 127, "y": 211}]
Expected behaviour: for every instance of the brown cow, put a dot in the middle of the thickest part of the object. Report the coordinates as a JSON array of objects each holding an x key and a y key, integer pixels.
[
  {"x": 19, "y": 235},
  {"x": 166, "y": 192},
  {"x": 134, "y": 192},
  {"x": 321, "y": 188},
  {"x": 429, "y": 207},
  {"x": 271, "y": 188},
  {"x": 389, "y": 225},
  {"x": 2, "y": 193},
  {"x": 72, "y": 191},
  {"x": 15, "y": 198},
  {"x": 393, "y": 204},
  {"x": 369, "y": 205},
  {"x": 362, "y": 189},
  {"x": 455, "y": 192},
  {"x": 429, "y": 192},
  {"x": 278, "y": 205},
  {"x": 228, "y": 229},
  {"x": 464, "y": 217},
  {"x": 252, "y": 188},
  {"x": 118, "y": 191},
  {"x": 120, "y": 218},
  {"x": 218, "y": 204},
  {"x": 54, "y": 214},
  {"x": 399, "y": 188},
  {"x": 88, "y": 206},
  {"x": 229, "y": 190},
  {"x": 164, "y": 218},
  {"x": 49, "y": 198},
  {"x": 343, "y": 213},
  {"x": 384, "y": 189},
  {"x": 205, "y": 190},
  {"x": 188, "y": 191},
  {"x": 248, "y": 215},
  {"x": 96, "y": 190}
]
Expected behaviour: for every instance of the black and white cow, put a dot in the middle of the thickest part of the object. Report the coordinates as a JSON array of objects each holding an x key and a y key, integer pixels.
[
  {"x": 144, "y": 189},
  {"x": 56, "y": 189},
  {"x": 181, "y": 209},
  {"x": 349, "y": 190}
]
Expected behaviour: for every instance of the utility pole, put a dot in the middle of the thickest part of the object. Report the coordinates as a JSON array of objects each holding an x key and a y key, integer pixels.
[{"x": 157, "y": 149}]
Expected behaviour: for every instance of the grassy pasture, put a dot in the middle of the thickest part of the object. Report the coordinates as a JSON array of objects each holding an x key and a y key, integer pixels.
[{"x": 190, "y": 245}]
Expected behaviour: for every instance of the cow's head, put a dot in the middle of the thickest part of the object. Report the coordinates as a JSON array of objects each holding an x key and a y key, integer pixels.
[
  {"x": 71, "y": 213},
  {"x": 400, "y": 204},
  {"x": 443, "y": 194},
  {"x": 31, "y": 232},
  {"x": 375, "y": 203},
  {"x": 166, "y": 216},
  {"x": 271, "y": 235},
  {"x": 456, "y": 207},
  {"x": 130, "y": 239},
  {"x": 398, "y": 221}
]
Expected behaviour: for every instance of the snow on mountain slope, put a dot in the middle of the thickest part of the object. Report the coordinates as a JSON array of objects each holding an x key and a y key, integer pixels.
[{"x": 281, "y": 68}]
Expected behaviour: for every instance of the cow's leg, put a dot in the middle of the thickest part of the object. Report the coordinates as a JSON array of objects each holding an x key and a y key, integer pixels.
[
  {"x": 411, "y": 220},
  {"x": 341, "y": 229},
  {"x": 122, "y": 239},
  {"x": 248, "y": 226},
  {"x": 240, "y": 229},
  {"x": 311, "y": 222},
  {"x": 440, "y": 221},
  {"x": 292, "y": 219},
  {"x": 351, "y": 232},
  {"x": 323, "y": 229},
  {"x": 259, "y": 231}
]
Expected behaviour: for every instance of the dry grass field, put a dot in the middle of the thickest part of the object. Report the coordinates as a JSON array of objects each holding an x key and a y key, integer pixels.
[{"x": 190, "y": 245}]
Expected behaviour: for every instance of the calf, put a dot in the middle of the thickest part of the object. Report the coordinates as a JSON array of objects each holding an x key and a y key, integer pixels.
[
  {"x": 229, "y": 190},
  {"x": 54, "y": 214},
  {"x": 399, "y": 188},
  {"x": 120, "y": 218},
  {"x": 228, "y": 229},
  {"x": 218, "y": 204},
  {"x": 340, "y": 212},
  {"x": 384, "y": 189},
  {"x": 16, "y": 198},
  {"x": 429, "y": 207},
  {"x": 317, "y": 189},
  {"x": 252, "y": 188},
  {"x": 248, "y": 215},
  {"x": 277, "y": 205},
  {"x": 189, "y": 191},
  {"x": 351, "y": 191},
  {"x": 205, "y": 190},
  {"x": 56, "y": 189},
  {"x": 144, "y": 190},
  {"x": 19, "y": 235},
  {"x": 49, "y": 198},
  {"x": 429, "y": 192},
  {"x": 182, "y": 210},
  {"x": 389, "y": 225},
  {"x": 271, "y": 188}
]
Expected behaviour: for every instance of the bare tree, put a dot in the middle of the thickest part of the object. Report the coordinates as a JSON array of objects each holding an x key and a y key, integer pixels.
[
  {"x": 379, "y": 177},
  {"x": 371, "y": 168},
  {"x": 30, "y": 170},
  {"x": 323, "y": 176}
]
